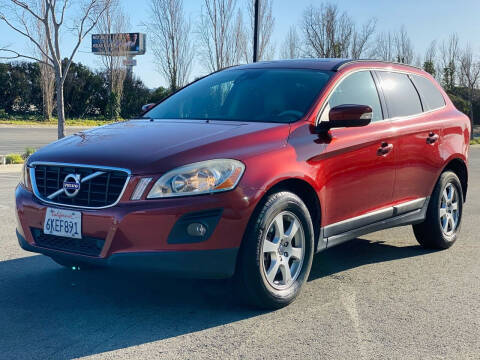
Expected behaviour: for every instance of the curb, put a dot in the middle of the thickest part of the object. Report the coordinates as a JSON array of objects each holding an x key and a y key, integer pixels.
[{"x": 11, "y": 168}]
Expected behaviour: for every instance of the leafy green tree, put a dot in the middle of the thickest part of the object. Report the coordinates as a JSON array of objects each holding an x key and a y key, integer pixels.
[
  {"x": 448, "y": 79},
  {"x": 159, "y": 94},
  {"x": 20, "y": 91},
  {"x": 85, "y": 93},
  {"x": 135, "y": 95},
  {"x": 429, "y": 67}
]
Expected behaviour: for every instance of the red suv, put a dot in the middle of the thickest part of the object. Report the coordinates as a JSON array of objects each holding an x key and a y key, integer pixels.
[{"x": 250, "y": 171}]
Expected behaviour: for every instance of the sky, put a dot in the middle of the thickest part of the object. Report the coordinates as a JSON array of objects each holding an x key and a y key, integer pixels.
[{"x": 425, "y": 20}]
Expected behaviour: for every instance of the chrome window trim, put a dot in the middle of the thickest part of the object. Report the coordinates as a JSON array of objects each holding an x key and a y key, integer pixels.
[
  {"x": 397, "y": 118},
  {"x": 33, "y": 181}
]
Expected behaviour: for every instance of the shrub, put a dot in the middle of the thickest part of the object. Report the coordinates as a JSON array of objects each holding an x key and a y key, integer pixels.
[
  {"x": 14, "y": 159},
  {"x": 28, "y": 151}
]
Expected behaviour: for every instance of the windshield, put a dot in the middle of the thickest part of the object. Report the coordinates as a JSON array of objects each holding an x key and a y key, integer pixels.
[{"x": 263, "y": 95}]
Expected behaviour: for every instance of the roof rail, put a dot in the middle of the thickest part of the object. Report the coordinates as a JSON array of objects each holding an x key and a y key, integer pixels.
[{"x": 353, "y": 61}]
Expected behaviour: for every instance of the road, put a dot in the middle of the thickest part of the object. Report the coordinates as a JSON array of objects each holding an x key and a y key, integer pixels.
[
  {"x": 16, "y": 139},
  {"x": 378, "y": 297}
]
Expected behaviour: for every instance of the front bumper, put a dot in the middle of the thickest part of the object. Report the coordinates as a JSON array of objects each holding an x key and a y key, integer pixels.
[{"x": 141, "y": 234}]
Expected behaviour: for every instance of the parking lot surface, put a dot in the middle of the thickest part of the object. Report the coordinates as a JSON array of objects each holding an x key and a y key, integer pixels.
[
  {"x": 16, "y": 139},
  {"x": 380, "y": 296}
]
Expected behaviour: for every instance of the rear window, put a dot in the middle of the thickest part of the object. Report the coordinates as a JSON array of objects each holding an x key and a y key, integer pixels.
[
  {"x": 431, "y": 97},
  {"x": 401, "y": 96}
]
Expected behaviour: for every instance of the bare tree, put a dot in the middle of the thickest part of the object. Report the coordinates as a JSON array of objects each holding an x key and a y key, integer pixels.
[
  {"x": 328, "y": 33},
  {"x": 47, "y": 76},
  {"x": 241, "y": 38},
  {"x": 216, "y": 40},
  {"x": 430, "y": 59},
  {"x": 449, "y": 51},
  {"x": 361, "y": 40},
  {"x": 21, "y": 17},
  {"x": 431, "y": 52},
  {"x": 469, "y": 76},
  {"x": 385, "y": 48},
  {"x": 395, "y": 47},
  {"x": 403, "y": 47},
  {"x": 291, "y": 48},
  {"x": 226, "y": 33},
  {"x": 113, "y": 25},
  {"x": 266, "y": 24},
  {"x": 172, "y": 45}
]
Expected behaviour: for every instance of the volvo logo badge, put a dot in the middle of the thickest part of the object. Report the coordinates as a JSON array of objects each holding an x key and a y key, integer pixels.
[{"x": 71, "y": 185}]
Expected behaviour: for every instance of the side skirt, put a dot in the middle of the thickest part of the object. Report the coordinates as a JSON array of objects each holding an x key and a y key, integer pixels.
[{"x": 406, "y": 217}]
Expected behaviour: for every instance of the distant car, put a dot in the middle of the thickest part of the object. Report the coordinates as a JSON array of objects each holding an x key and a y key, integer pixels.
[{"x": 250, "y": 171}]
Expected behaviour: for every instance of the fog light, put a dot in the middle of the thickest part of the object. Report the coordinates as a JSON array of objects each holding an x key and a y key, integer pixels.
[{"x": 196, "y": 229}]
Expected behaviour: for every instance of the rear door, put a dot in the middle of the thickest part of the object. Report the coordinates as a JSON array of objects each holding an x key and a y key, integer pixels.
[{"x": 418, "y": 133}]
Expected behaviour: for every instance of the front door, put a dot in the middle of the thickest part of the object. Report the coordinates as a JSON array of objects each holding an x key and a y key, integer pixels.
[{"x": 358, "y": 164}]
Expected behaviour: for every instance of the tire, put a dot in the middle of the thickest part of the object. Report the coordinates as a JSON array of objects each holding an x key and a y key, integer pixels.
[
  {"x": 444, "y": 214},
  {"x": 74, "y": 265},
  {"x": 264, "y": 265}
]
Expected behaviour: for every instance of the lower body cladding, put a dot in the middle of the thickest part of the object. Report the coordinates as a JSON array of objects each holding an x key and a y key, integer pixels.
[
  {"x": 405, "y": 213},
  {"x": 188, "y": 237}
]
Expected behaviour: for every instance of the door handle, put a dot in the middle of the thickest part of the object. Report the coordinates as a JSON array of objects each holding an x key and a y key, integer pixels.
[
  {"x": 384, "y": 149},
  {"x": 432, "y": 138}
]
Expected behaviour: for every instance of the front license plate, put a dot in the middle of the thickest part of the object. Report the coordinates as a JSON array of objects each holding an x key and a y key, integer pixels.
[{"x": 64, "y": 223}]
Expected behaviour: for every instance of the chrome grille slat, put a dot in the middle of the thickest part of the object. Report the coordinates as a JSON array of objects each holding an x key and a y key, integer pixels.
[{"x": 100, "y": 187}]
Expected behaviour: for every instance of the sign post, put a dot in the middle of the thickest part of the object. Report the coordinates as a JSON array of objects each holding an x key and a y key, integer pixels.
[{"x": 255, "y": 31}]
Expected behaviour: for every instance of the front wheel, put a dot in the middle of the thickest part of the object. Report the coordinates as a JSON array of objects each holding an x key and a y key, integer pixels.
[
  {"x": 444, "y": 215},
  {"x": 277, "y": 253}
]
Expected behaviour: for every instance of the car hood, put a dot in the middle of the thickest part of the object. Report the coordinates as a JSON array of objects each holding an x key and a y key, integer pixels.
[{"x": 145, "y": 146}]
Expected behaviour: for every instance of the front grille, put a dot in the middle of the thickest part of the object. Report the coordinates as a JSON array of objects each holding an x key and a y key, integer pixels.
[
  {"x": 101, "y": 191},
  {"x": 86, "y": 246}
]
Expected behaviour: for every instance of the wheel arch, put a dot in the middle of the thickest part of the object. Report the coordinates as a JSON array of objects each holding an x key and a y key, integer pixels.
[
  {"x": 458, "y": 166},
  {"x": 305, "y": 191}
]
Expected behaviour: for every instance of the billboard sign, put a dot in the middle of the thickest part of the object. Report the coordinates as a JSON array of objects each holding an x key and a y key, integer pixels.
[{"x": 118, "y": 44}]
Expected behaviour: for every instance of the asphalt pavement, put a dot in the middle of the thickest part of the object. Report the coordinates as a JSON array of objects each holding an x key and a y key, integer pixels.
[
  {"x": 378, "y": 297},
  {"x": 16, "y": 139}
]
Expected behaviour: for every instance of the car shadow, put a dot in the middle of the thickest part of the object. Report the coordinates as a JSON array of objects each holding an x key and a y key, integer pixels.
[
  {"x": 358, "y": 252},
  {"x": 51, "y": 312}
]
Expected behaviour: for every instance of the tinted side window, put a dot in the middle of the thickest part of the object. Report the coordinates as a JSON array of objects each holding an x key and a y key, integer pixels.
[
  {"x": 358, "y": 88},
  {"x": 431, "y": 96},
  {"x": 401, "y": 96}
]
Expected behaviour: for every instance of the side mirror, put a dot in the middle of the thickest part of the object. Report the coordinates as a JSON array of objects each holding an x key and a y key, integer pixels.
[
  {"x": 147, "y": 107},
  {"x": 348, "y": 115}
]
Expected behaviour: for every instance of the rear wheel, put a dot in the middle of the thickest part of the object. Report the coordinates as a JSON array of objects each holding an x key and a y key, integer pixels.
[
  {"x": 277, "y": 253},
  {"x": 442, "y": 224}
]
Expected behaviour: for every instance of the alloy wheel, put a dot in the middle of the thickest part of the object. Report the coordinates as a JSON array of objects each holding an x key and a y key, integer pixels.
[
  {"x": 449, "y": 210},
  {"x": 283, "y": 250}
]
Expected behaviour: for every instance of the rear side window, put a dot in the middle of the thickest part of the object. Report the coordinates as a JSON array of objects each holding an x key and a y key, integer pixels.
[
  {"x": 359, "y": 89},
  {"x": 431, "y": 97},
  {"x": 401, "y": 96}
]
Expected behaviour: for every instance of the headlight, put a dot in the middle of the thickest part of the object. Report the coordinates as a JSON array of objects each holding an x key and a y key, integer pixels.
[
  {"x": 25, "y": 177},
  {"x": 199, "y": 178}
]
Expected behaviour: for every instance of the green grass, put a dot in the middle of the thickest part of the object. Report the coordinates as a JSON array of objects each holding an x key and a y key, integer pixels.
[
  {"x": 37, "y": 120},
  {"x": 475, "y": 141}
]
